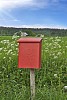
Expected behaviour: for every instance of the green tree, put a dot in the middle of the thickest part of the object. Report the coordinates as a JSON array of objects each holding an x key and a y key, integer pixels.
[{"x": 30, "y": 33}]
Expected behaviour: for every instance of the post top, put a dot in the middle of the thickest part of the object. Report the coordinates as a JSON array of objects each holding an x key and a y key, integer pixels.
[{"x": 35, "y": 40}]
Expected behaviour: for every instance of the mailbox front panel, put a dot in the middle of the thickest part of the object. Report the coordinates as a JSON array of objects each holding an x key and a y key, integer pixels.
[{"x": 29, "y": 55}]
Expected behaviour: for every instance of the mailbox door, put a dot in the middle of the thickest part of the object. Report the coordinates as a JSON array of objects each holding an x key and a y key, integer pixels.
[{"x": 29, "y": 55}]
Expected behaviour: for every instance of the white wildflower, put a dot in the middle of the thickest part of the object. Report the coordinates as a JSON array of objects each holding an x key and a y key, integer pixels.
[
  {"x": 51, "y": 38},
  {"x": 59, "y": 53},
  {"x": 1, "y": 49},
  {"x": 58, "y": 40},
  {"x": 5, "y": 41},
  {"x": 10, "y": 58},
  {"x": 13, "y": 54},
  {"x": 59, "y": 46},
  {"x": 9, "y": 51},
  {"x": 12, "y": 44},
  {"x": 66, "y": 46},
  {"x": 55, "y": 47},
  {"x": 65, "y": 87},
  {"x": 55, "y": 75},
  {"x": 16, "y": 48},
  {"x": 55, "y": 57},
  {"x": 63, "y": 51},
  {"x": 4, "y": 57}
]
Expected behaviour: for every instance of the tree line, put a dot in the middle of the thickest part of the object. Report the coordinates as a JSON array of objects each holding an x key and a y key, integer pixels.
[{"x": 9, "y": 31}]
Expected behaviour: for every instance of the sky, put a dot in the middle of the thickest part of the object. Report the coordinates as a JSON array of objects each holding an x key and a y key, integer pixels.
[{"x": 33, "y": 13}]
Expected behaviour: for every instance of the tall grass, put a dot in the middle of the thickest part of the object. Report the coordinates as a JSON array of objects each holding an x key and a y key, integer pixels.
[{"x": 50, "y": 78}]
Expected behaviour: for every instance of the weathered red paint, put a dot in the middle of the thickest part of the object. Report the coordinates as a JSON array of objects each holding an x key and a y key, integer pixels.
[{"x": 29, "y": 53}]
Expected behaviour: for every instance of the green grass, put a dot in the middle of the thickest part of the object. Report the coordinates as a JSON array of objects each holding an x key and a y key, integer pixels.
[{"x": 50, "y": 78}]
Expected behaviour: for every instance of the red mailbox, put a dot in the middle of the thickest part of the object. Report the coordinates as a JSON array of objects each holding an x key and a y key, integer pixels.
[{"x": 29, "y": 53}]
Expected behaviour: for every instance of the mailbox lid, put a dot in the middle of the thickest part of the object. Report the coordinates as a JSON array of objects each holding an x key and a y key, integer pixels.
[{"x": 29, "y": 40}]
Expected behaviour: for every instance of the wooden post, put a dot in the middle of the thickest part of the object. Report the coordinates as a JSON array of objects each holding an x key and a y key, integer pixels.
[{"x": 32, "y": 83}]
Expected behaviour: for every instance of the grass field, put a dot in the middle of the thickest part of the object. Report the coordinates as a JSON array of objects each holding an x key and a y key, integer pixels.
[{"x": 51, "y": 79}]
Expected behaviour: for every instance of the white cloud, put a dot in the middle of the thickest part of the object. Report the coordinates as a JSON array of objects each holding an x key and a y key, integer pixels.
[
  {"x": 13, "y": 3},
  {"x": 9, "y": 4},
  {"x": 40, "y": 26},
  {"x": 6, "y": 20},
  {"x": 43, "y": 26}
]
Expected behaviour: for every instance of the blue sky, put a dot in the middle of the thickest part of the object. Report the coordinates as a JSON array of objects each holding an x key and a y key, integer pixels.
[{"x": 33, "y": 13}]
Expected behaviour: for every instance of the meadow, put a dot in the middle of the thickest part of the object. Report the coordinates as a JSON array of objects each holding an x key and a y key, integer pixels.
[{"x": 51, "y": 78}]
